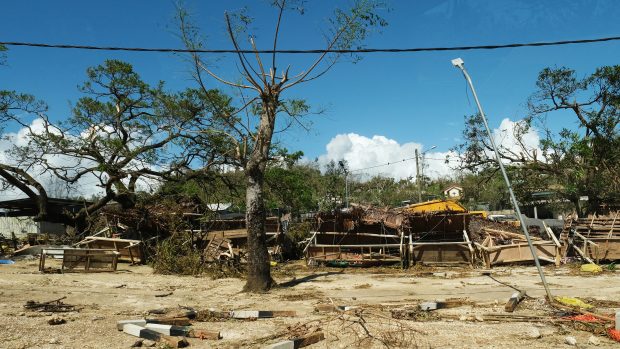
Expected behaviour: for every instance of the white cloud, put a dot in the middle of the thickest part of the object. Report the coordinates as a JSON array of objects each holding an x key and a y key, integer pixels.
[
  {"x": 362, "y": 152},
  {"x": 505, "y": 137},
  {"x": 88, "y": 186}
]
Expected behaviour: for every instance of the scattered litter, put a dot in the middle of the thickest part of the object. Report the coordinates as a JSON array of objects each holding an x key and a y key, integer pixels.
[
  {"x": 593, "y": 340},
  {"x": 6, "y": 261},
  {"x": 570, "y": 340},
  {"x": 613, "y": 334}
]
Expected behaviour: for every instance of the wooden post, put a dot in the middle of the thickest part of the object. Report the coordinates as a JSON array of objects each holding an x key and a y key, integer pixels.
[{"x": 514, "y": 301}]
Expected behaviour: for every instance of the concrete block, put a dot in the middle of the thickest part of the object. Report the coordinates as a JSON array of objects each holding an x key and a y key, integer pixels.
[{"x": 137, "y": 322}]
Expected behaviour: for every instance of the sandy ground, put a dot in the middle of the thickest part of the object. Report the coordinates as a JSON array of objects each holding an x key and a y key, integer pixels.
[{"x": 105, "y": 298}]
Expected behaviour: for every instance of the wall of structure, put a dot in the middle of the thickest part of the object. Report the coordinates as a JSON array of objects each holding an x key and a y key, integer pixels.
[{"x": 23, "y": 226}]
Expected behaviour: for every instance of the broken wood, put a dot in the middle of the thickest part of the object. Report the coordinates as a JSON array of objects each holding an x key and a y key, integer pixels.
[
  {"x": 514, "y": 301},
  {"x": 299, "y": 342},
  {"x": 54, "y": 306},
  {"x": 176, "y": 321},
  {"x": 163, "y": 294}
]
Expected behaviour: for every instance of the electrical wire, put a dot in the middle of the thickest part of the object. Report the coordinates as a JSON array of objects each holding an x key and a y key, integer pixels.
[
  {"x": 314, "y": 51},
  {"x": 399, "y": 162},
  {"x": 381, "y": 165}
]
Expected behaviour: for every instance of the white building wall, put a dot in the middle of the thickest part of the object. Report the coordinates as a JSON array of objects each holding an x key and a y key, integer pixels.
[{"x": 22, "y": 226}]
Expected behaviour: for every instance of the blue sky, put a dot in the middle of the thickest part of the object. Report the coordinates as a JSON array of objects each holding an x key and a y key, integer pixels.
[{"x": 412, "y": 98}]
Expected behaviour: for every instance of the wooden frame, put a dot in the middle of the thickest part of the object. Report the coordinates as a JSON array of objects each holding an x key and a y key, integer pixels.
[
  {"x": 129, "y": 250},
  {"x": 598, "y": 240},
  {"x": 362, "y": 253},
  {"x": 443, "y": 252},
  {"x": 517, "y": 252},
  {"x": 91, "y": 260}
]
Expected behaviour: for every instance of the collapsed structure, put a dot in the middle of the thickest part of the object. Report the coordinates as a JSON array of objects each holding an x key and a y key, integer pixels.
[
  {"x": 434, "y": 232},
  {"x": 430, "y": 232},
  {"x": 593, "y": 239}
]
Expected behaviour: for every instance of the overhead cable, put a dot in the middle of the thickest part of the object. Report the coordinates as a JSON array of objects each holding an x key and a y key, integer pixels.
[{"x": 313, "y": 51}]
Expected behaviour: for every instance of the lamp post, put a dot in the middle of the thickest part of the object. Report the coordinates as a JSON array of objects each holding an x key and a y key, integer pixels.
[
  {"x": 461, "y": 65},
  {"x": 417, "y": 170}
]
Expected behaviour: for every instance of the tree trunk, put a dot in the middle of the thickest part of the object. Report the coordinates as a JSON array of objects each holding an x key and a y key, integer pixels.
[{"x": 259, "y": 271}]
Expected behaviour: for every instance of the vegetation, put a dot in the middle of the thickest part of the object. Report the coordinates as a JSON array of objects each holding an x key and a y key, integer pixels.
[{"x": 572, "y": 164}]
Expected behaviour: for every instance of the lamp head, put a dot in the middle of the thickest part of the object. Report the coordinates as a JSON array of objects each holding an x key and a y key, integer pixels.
[{"x": 458, "y": 62}]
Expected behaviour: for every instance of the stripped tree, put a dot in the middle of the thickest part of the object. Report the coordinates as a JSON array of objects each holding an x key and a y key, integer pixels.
[{"x": 265, "y": 84}]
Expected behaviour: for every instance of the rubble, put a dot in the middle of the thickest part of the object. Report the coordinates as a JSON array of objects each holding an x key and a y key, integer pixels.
[{"x": 594, "y": 239}]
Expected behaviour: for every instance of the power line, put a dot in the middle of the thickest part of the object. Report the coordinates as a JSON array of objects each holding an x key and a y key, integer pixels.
[
  {"x": 399, "y": 162},
  {"x": 381, "y": 165},
  {"x": 313, "y": 51}
]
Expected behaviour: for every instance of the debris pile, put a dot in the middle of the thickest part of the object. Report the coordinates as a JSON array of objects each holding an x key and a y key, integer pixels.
[
  {"x": 594, "y": 239},
  {"x": 430, "y": 232},
  {"x": 508, "y": 245}
]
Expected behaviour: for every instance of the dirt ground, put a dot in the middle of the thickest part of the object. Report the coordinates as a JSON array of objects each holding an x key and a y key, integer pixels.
[{"x": 105, "y": 298}]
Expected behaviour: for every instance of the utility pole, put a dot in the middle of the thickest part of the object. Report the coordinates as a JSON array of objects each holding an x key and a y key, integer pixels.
[
  {"x": 419, "y": 172},
  {"x": 417, "y": 175},
  {"x": 458, "y": 63},
  {"x": 346, "y": 183}
]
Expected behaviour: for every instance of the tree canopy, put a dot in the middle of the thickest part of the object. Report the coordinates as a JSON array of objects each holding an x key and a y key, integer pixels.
[{"x": 574, "y": 163}]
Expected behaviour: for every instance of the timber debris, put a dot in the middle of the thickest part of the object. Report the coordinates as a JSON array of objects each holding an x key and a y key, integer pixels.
[
  {"x": 594, "y": 239},
  {"x": 53, "y": 306}
]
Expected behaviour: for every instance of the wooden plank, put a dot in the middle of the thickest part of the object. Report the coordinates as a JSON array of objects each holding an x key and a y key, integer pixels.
[
  {"x": 176, "y": 321},
  {"x": 308, "y": 339},
  {"x": 551, "y": 234}
]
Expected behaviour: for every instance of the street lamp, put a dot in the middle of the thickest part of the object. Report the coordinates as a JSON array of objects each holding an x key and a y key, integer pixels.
[
  {"x": 458, "y": 62},
  {"x": 417, "y": 170}
]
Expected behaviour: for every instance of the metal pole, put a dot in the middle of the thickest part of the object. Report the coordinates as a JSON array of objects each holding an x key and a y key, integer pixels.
[
  {"x": 460, "y": 64},
  {"x": 417, "y": 175}
]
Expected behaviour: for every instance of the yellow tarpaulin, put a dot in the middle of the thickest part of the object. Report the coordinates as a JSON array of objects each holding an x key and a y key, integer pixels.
[
  {"x": 591, "y": 268},
  {"x": 573, "y": 302}
]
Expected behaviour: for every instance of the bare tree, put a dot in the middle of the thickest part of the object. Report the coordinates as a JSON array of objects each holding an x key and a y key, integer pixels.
[{"x": 265, "y": 85}]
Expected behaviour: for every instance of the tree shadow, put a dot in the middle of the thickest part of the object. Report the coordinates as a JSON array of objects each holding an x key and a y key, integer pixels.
[{"x": 295, "y": 281}]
